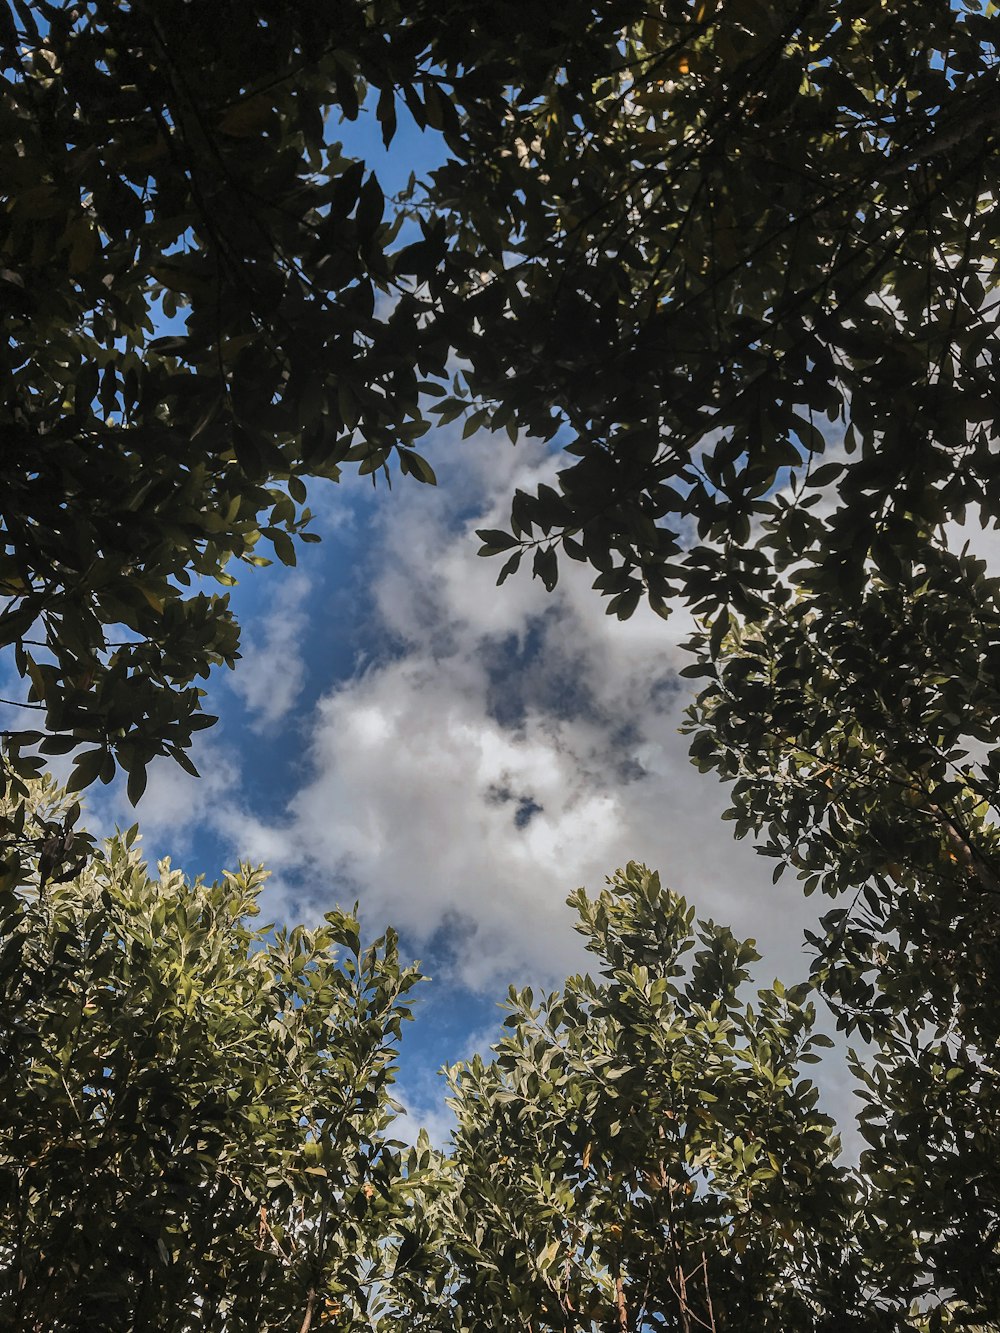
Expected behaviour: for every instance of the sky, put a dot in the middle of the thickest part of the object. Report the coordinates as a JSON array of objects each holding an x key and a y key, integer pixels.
[{"x": 455, "y": 757}]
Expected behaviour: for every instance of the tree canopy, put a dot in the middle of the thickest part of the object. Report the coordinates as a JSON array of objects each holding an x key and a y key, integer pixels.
[
  {"x": 739, "y": 238},
  {"x": 198, "y": 1132},
  {"x": 643, "y": 1151},
  {"x": 861, "y": 742},
  {"x": 769, "y": 236},
  {"x": 737, "y": 260},
  {"x": 202, "y": 307},
  {"x": 193, "y": 1108}
]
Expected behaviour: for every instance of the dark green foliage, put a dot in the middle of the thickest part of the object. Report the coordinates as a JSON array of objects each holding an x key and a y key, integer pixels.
[
  {"x": 861, "y": 738},
  {"x": 713, "y": 246},
  {"x": 711, "y": 242},
  {"x": 202, "y": 307},
  {"x": 704, "y": 239}
]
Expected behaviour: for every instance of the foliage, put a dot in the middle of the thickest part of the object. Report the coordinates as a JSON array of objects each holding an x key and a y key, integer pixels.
[
  {"x": 203, "y": 305},
  {"x": 193, "y": 1120},
  {"x": 697, "y": 234},
  {"x": 196, "y": 1110},
  {"x": 741, "y": 238},
  {"x": 737, "y": 233},
  {"x": 208, "y": 301},
  {"x": 643, "y": 1152},
  {"x": 861, "y": 741}
]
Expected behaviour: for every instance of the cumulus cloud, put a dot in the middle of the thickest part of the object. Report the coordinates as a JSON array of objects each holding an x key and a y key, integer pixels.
[
  {"x": 500, "y": 747},
  {"x": 489, "y": 751},
  {"x": 271, "y": 673}
]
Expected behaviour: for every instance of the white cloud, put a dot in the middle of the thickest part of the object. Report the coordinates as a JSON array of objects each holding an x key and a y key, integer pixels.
[
  {"x": 503, "y": 747},
  {"x": 175, "y": 806},
  {"x": 270, "y": 676}
]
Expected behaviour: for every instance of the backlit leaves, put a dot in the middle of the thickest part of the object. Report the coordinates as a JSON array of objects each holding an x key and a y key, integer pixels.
[{"x": 713, "y": 243}]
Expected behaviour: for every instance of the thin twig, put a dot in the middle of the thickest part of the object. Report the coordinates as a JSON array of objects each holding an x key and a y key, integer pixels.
[
  {"x": 620, "y": 1306},
  {"x": 708, "y": 1292},
  {"x": 306, "y": 1324}
]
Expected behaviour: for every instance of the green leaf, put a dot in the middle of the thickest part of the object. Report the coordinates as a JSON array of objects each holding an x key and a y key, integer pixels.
[
  {"x": 510, "y": 567},
  {"x": 136, "y": 783},
  {"x": 284, "y": 547},
  {"x": 494, "y": 541},
  {"x": 546, "y": 566},
  {"x": 87, "y": 768},
  {"x": 414, "y": 465}
]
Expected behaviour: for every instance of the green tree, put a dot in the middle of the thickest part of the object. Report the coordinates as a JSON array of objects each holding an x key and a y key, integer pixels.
[
  {"x": 741, "y": 238},
  {"x": 697, "y": 234},
  {"x": 206, "y": 301},
  {"x": 643, "y": 1151},
  {"x": 203, "y": 305},
  {"x": 194, "y": 1109},
  {"x": 860, "y": 737},
  {"x": 196, "y": 1115},
  {"x": 709, "y": 241},
  {"x": 737, "y": 234}
]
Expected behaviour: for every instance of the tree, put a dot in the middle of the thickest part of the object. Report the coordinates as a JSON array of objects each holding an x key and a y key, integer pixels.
[
  {"x": 196, "y": 1120},
  {"x": 692, "y": 232},
  {"x": 203, "y": 307},
  {"x": 642, "y": 1151},
  {"x": 738, "y": 235},
  {"x": 207, "y": 302},
  {"x": 710, "y": 242},
  {"x": 747, "y": 237},
  {"x": 194, "y": 1109},
  {"x": 861, "y": 741}
]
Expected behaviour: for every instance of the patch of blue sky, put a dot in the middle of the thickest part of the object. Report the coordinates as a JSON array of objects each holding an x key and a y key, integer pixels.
[
  {"x": 412, "y": 151},
  {"x": 446, "y": 1012}
]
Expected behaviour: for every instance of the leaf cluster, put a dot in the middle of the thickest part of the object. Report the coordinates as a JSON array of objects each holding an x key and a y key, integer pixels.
[
  {"x": 197, "y": 1119},
  {"x": 205, "y": 304},
  {"x": 716, "y": 244},
  {"x": 859, "y": 734},
  {"x": 194, "y": 1107},
  {"x": 642, "y": 1150}
]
